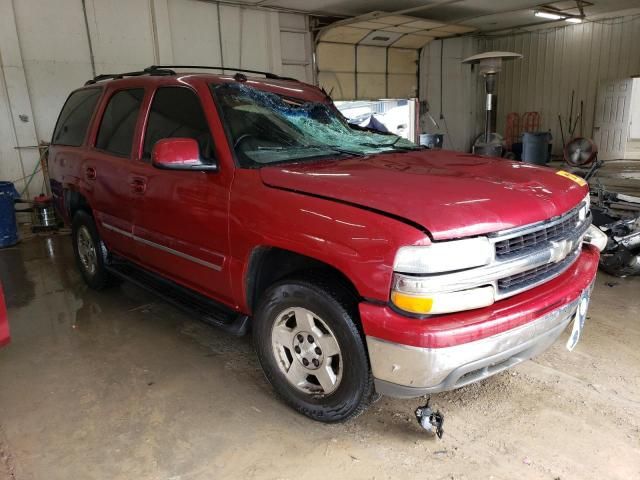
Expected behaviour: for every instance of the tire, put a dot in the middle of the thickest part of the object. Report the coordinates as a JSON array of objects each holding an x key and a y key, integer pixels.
[
  {"x": 88, "y": 251},
  {"x": 320, "y": 309}
]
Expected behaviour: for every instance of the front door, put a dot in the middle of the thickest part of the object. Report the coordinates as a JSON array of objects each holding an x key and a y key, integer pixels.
[
  {"x": 181, "y": 217},
  {"x": 611, "y": 121}
]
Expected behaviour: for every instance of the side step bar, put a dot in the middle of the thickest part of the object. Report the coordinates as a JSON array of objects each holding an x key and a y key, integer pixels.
[{"x": 191, "y": 302}]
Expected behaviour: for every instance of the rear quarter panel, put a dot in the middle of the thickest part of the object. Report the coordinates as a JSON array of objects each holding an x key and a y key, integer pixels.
[{"x": 65, "y": 165}]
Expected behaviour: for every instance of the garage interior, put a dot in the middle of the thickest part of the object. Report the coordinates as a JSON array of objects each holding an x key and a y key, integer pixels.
[{"x": 119, "y": 384}]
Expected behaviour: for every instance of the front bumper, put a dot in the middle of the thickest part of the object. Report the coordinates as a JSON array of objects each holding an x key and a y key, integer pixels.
[{"x": 412, "y": 357}]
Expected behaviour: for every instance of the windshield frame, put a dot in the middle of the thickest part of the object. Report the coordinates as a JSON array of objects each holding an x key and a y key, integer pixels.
[{"x": 215, "y": 88}]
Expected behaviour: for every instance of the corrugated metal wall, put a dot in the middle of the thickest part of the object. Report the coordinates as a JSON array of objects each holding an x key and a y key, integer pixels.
[
  {"x": 560, "y": 60},
  {"x": 455, "y": 106}
]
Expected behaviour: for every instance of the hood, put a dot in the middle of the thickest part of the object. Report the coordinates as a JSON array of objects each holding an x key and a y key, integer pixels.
[{"x": 450, "y": 194}]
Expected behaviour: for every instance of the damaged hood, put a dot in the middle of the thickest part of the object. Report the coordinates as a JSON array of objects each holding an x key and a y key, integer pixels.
[{"x": 450, "y": 194}]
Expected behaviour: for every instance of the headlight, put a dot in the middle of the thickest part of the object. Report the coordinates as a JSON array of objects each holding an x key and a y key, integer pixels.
[
  {"x": 410, "y": 294},
  {"x": 444, "y": 256},
  {"x": 442, "y": 302},
  {"x": 596, "y": 237}
]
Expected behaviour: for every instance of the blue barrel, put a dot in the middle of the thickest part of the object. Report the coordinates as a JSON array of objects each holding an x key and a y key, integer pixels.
[
  {"x": 535, "y": 147},
  {"x": 8, "y": 225}
]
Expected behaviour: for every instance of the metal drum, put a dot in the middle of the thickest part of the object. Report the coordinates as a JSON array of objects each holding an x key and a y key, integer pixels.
[{"x": 44, "y": 215}]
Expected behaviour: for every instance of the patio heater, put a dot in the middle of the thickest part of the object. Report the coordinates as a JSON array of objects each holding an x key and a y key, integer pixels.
[{"x": 490, "y": 64}]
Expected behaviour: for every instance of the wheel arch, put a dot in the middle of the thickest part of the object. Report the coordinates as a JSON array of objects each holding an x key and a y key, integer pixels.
[
  {"x": 268, "y": 265},
  {"x": 75, "y": 201}
]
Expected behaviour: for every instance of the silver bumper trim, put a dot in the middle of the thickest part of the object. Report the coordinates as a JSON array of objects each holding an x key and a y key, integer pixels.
[{"x": 406, "y": 372}]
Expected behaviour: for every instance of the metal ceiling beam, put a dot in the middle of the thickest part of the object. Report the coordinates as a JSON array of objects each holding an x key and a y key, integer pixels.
[
  {"x": 404, "y": 11},
  {"x": 509, "y": 30},
  {"x": 261, "y": 5},
  {"x": 499, "y": 12}
]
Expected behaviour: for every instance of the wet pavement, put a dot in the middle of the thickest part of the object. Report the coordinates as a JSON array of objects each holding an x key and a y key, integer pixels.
[{"x": 119, "y": 385}]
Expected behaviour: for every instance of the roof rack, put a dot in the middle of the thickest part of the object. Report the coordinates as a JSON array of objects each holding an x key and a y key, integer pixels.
[
  {"x": 269, "y": 75},
  {"x": 162, "y": 70},
  {"x": 152, "y": 70}
]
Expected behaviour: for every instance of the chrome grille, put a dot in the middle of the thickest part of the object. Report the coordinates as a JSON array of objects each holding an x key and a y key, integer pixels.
[
  {"x": 519, "y": 244},
  {"x": 536, "y": 275}
]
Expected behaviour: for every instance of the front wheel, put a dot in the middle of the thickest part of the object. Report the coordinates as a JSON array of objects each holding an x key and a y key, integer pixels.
[{"x": 311, "y": 350}]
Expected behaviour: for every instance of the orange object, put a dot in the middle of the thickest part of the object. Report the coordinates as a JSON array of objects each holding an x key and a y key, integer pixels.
[
  {"x": 531, "y": 122},
  {"x": 512, "y": 132}
]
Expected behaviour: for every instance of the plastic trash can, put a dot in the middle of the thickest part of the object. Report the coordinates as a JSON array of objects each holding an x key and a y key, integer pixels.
[
  {"x": 535, "y": 147},
  {"x": 8, "y": 225}
]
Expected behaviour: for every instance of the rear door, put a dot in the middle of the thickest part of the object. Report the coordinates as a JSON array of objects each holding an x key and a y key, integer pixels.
[
  {"x": 107, "y": 169},
  {"x": 68, "y": 146},
  {"x": 181, "y": 219}
]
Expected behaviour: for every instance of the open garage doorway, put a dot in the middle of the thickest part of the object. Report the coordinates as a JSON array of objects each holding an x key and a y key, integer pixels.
[{"x": 397, "y": 116}]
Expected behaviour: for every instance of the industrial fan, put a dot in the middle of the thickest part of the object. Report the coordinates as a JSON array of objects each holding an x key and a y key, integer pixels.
[{"x": 580, "y": 151}]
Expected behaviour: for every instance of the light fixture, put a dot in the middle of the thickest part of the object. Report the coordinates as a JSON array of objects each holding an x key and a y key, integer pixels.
[
  {"x": 549, "y": 15},
  {"x": 573, "y": 19}
]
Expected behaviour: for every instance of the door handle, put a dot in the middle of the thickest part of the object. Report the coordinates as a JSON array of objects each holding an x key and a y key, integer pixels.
[
  {"x": 90, "y": 173},
  {"x": 138, "y": 185}
]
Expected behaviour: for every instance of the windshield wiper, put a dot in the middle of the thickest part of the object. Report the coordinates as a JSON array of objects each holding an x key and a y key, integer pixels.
[
  {"x": 315, "y": 147},
  {"x": 404, "y": 148},
  {"x": 347, "y": 152},
  {"x": 409, "y": 149}
]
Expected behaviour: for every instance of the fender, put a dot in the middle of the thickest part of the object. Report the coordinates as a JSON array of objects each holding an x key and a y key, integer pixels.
[{"x": 359, "y": 243}]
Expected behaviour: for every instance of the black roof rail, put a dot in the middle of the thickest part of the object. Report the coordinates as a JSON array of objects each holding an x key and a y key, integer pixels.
[
  {"x": 268, "y": 75},
  {"x": 168, "y": 70},
  {"x": 153, "y": 70}
]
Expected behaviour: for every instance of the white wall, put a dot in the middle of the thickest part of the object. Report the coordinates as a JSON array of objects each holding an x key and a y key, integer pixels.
[
  {"x": 461, "y": 91},
  {"x": 44, "y": 54},
  {"x": 634, "y": 131},
  {"x": 296, "y": 47},
  {"x": 557, "y": 61},
  {"x": 632, "y": 151}
]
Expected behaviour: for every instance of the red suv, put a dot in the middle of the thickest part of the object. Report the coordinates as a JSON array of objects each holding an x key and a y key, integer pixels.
[{"x": 362, "y": 262}]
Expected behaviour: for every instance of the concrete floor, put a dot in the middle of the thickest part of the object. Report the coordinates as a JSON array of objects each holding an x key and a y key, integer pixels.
[{"x": 119, "y": 385}]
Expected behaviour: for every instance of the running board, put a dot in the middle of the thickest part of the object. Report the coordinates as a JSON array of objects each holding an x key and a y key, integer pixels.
[{"x": 193, "y": 303}]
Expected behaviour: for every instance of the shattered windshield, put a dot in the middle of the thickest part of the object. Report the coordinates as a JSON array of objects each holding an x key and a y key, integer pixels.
[{"x": 266, "y": 128}]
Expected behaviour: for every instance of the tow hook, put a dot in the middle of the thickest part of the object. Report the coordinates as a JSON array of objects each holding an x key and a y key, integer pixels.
[{"x": 429, "y": 420}]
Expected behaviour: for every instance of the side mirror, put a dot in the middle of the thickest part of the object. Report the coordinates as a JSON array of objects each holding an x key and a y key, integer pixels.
[{"x": 179, "y": 154}]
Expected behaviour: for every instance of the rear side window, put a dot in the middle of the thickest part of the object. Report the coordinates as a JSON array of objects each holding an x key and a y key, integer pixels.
[
  {"x": 177, "y": 112},
  {"x": 119, "y": 121},
  {"x": 75, "y": 117}
]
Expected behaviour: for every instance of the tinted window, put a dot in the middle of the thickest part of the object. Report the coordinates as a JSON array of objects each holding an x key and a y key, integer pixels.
[
  {"x": 119, "y": 122},
  {"x": 75, "y": 117},
  {"x": 177, "y": 112}
]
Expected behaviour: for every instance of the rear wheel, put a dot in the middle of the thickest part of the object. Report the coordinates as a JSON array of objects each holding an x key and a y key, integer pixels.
[
  {"x": 88, "y": 250},
  {"x": 311, "y": 350}
]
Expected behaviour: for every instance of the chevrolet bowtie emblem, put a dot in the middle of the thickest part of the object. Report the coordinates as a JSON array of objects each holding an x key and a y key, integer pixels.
[{"x": 559, "y": 250}]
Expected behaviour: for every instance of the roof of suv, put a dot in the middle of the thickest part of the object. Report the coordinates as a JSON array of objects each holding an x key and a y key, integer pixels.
[{"x": 285, "y": 86}]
